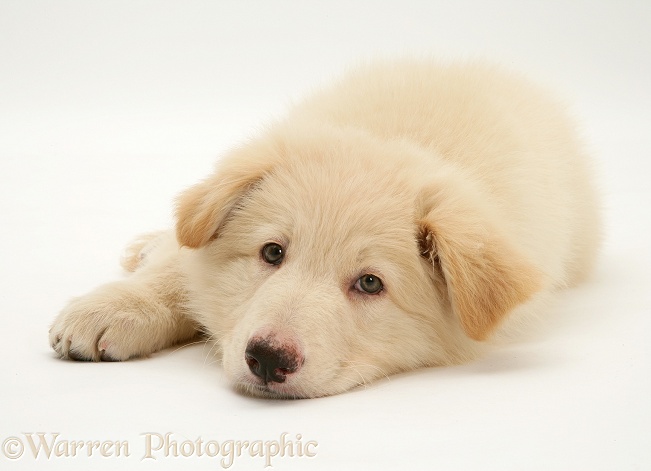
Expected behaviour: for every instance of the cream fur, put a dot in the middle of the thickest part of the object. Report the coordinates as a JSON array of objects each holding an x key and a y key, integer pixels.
[{"x": 461, "y": 187}]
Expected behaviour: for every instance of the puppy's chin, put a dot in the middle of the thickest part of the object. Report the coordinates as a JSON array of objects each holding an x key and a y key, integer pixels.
[
  {"x": 293, "y": 389},
  {"x": 262, "y": 391}
]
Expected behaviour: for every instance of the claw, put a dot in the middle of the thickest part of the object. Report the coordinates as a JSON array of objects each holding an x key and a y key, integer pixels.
[
  {"x": 57, "y": 341},
  {"x": 103, "y": 356},
  {"x": 74, "y": 355}
]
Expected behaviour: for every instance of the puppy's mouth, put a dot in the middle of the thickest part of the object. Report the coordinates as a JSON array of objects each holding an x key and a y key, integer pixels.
[{"x": 268, "y": 391}]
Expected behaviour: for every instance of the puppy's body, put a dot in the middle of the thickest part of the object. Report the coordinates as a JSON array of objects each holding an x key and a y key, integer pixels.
[{"x": 461, "y": 189}]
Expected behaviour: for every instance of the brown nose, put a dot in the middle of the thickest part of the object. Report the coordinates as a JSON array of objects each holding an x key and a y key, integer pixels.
[{"x": 272, "y": 362}]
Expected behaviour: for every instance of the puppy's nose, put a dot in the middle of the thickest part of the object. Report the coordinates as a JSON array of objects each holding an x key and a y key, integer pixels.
[{"x": 270, "y": 361}]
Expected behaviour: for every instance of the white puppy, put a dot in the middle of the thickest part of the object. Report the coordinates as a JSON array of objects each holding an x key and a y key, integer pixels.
[{"x": 388, "y": 223}]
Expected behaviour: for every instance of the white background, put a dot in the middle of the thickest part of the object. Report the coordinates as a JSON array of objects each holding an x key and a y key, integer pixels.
[{"x": 109, "y": 109}]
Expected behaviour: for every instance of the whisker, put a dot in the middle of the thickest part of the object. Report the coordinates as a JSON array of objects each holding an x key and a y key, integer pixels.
[
  {"x": 182, "y": 346},
  {"x": 353, "y": 364},
  {"x": 214, "y": 342}
]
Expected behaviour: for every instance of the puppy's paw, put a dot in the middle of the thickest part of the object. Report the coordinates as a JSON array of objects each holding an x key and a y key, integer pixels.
[{"x": 114, "y": 323}]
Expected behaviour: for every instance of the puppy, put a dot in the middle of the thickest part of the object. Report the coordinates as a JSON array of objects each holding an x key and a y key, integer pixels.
[{"x": 387, "y": 223}]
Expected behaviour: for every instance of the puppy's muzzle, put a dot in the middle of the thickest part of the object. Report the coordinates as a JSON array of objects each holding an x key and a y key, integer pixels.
[{"x": 272, "y": 361}]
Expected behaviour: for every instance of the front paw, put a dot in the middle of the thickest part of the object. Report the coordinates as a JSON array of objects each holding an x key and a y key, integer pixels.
[{"x": 114, "y": 323}]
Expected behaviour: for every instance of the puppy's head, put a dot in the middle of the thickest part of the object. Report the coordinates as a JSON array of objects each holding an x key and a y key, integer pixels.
[{"x": 321, "y": 263}]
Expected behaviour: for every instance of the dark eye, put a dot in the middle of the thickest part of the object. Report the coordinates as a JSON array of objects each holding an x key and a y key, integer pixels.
[
  {"x": 273, "y": 254},
  {"x": 369, "y": 284}
]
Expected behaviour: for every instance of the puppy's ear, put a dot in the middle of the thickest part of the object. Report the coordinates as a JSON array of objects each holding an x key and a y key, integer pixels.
[
  {"x": 484, "y": 274},
  {"x": 202, "y": 209}
]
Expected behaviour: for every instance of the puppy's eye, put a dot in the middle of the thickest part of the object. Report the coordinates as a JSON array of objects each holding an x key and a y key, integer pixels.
[
  {"x": 273, "y": 254},
  {"x": 369, "y": 284}
]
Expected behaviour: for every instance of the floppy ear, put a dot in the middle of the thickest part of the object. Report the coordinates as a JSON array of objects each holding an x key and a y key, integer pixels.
[
  {"x": 485, "y": 275},
  {"x": 202, "y": 209}
]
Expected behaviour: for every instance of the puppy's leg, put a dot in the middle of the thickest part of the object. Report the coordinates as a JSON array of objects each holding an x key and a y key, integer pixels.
[{"x": 132, "y": 317}]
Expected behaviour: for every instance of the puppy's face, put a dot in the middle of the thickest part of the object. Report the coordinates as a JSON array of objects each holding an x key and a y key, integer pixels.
[{"x": 316, "y": 271}]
